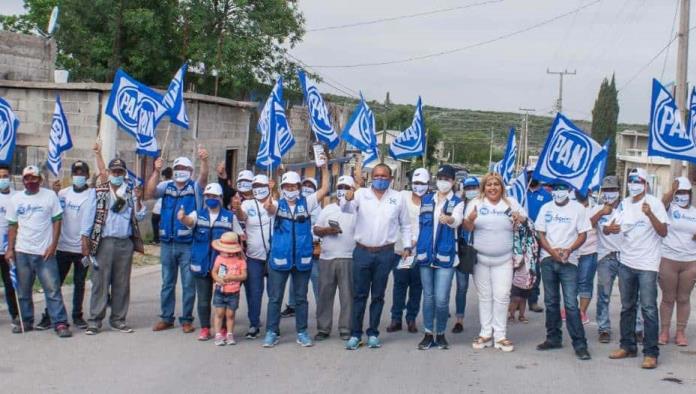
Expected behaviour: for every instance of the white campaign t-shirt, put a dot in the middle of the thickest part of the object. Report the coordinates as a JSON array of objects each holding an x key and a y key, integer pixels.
[
  {"x": 4, "y": 206},
  {"x": 413, "y": 214},
  {"x": 34, "y": 215},
  {"x": 562, "y": 225},
  {"x": 337, "y": 246},
  {"x": 590, "y": 244},
  {"x": 258, "y": 228},
  {"x": 74, "y": 208},
  {"x": 606, "y": 243},
  {"x": 679, "y": 244},
  {"x": 493, "y": 229},
  {"x": 641, "y": 246}
]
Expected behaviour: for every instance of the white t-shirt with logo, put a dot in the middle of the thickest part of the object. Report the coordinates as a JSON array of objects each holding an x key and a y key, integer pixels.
[
  {"x": 337, "y": 246},
  {"x": 641, "y": 246},
  {"x": 606, "y": 243},
  {"x": 4, "y": 206},
  {"x": 74, "y": 208},
  {"x": 493, "y": 229},
  {"x": 34, "y": 215},
  {"x": 257, "y": 226},
  {"x": 679, "y": 244},
  {"x": 562, "y": 225},
  {"x": 590, "y": 244}
]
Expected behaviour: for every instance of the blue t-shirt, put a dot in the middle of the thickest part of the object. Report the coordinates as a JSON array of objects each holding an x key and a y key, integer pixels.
[{"x": 535, "y": 200}]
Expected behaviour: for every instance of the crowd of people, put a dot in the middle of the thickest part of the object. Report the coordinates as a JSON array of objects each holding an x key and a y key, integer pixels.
[{"x": 216, "y": 238}]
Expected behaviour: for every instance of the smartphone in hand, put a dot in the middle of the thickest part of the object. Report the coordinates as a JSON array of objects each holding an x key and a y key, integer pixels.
[{"x": 334, "y": 224}]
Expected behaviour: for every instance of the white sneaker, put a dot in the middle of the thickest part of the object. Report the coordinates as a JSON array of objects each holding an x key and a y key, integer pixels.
[
  {"x": 230, "y": 339},
  {"x": 482, "y": 342},
  {"x": 219, "y": 340}
]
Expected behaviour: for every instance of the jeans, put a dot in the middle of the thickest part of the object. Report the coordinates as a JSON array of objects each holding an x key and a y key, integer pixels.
[
  {"x": 276, "y": 291},
  {"x": 557, "y": 277},
  {"x": 204, "y": 294},
  {"x": 155, "y": 221},
  {"x": 437, "y": 286},
  {"x": 406, "y": 281},
  {"x": 607, "y": 271},
  {"x": 253, "y": 288},
  {"x": 638, "y": 287},
  {"x": 65, "y": 261},
  {"x": 460, "y": 295},
  {"x": 176, "y": 256},
  {"x": 29, "y": 267},
  {"x": 370, "y": 277},
  {"x": 314, "y": 278},
  {"x": 10, "y": 296},
  {"x": 587, "y": 266}
]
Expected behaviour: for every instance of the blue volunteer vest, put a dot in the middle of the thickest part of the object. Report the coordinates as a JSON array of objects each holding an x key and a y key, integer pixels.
[
  {"x": 292, "y": 237},
  {"x": 171, "y": 229},
  {"x": 446, "y": 238},
  {"x": 202, "y": 253}
]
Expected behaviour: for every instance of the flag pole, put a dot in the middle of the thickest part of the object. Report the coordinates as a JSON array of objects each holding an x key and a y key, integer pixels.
[
  {"x": 13, "y": 273},
  {"x": 166, "y": 139}
]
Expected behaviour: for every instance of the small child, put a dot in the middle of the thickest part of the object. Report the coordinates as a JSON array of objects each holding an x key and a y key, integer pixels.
[
  {"x": 525, "y": 250},
  {"x": 229, "y": 270}
]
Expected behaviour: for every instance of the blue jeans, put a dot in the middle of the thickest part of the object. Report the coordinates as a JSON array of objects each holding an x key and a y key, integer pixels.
[
  {"x": 276, "y": 291},
  {"x": 370, "y": 276},
  {"x": 406, "y": 281},
  {"x": 29, "y": 267},
  {"x": 253, "y": 288},
  {"x": 638, "y": 287},
  {"x": 587, "y": 266},
  {"x": 314, "y": 278},
  {"x": 557, "y": 277},
  {"x": 176, "y": 256},
  {"x": 460, "y": 295},
  {"x": 607, "y": 271},
  {"x": 437, "y": 286}
]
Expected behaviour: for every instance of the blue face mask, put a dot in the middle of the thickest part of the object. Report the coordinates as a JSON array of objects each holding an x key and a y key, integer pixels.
[
  {"x": 79, "y": 181},
  {"x": 380, "y": 184},
  {"x": 212, "y": 202},
  {"x": 4, "y": 183},
  {"x": 116, "y": 180}
]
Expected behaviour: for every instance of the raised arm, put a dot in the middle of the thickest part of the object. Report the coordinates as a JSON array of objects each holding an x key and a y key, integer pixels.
[
  {"x": 102, "y": 175},
  {"x": 324, "y": 189},
  {"x": 153, "y": 180},
  {"x": 203, "y": 171}
]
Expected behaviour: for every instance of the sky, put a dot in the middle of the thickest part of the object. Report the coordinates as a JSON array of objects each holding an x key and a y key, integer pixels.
[{"x": 611, "y": 36}]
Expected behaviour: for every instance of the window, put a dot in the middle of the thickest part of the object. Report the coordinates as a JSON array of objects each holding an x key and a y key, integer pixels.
[{"x": 19, "y": 160}]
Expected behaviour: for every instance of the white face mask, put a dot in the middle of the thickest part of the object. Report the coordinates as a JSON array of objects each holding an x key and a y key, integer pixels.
[
  {"x": 559, "y": 196},
  {"x": 244, "y": 186},
  {"x": 420, "y": 190},
  {"x": 261, "y": 192},
  {"x": 307, "y": 191},
  {"x": 682, "y": 200},
  {"x": 610, "y": 197},
  {"x": 635, "y": 189},
  {"x": 182, "y": 175},
  {"x": 341, "y": 195},
  {"x": 291, "y": 195},
  {"x": 471, "y": 194},
  {"x": 444, "y": 186}
]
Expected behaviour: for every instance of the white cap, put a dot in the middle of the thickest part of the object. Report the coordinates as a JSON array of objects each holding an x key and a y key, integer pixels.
[
  {"x": 311, "y": 180},
  {"x": 260, "y": 179},
  {"x": 290, "y": 177},
  {"x": 31, "y": 170},
  {"x": 640, "y": 173},
  {"x": 420, "y": 175},
  {"x": 684, "y": 183},
  {"x": 245, "y": 175},
  {"x": 213, "y": 188},
  {"x": 183, "y": 161},
  {"x": 345, "y": 180}
]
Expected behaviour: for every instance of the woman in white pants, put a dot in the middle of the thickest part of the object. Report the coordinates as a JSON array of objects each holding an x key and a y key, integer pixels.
[{"x": 491, "y": 217}]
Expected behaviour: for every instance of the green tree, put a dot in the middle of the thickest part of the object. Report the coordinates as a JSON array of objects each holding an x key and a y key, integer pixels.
[
  {"x": 38, "y": 13},
  {"x": 605, "y": 115}
]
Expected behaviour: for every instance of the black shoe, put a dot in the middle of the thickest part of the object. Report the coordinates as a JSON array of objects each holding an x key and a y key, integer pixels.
[
  {"x": 458, "y": 328},
  {"x": 45, "y": 323},
  {"x": 394, "y": 326},
  {"x": 92, "y": 330},
  {"x": 288, "y": 312},
  {"x": 18, "y": 328},
  {"x": 426, "y": 343},
  {"x": 15, "y": 322},
  {"x": 546, "y": 345},
  {"x": 80, "y": 323},
  {"x": 536, "y": 308},
  {"x": 604, "y": 337},
  {"x": 253, "y": 333},
  {"x": 321, "y": 336},
  {"x": 63, "y": 331},
  {"x": 583, "y": 354},
  {"x": 441, "y": 342},
  {"x": 411, "y": 327}
]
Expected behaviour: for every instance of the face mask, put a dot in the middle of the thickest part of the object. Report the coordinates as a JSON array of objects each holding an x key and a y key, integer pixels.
[
  {"x": 4, "y": 183},
  {"x": 116, "y": 180},
  {"x": 212, "y": 202},
  {"x": 420, "y": 190},
  {"x": 79, "y": 181},
  {"x": 610, "y": 197},
  {"x": 307, "y": 191},
  {"x": 444, "y": 186},
  {"x": 559, "y": 196},
  {"x": 682, "y": 200},
  {"x": 635, "y": 189},
  {"x": 471, "y": 194},
  {"x": 380, "y": 184},
  {"x": 261, "y": 192},
  {"x": 291, "y": 195},
  {"x": 32, "y": 187},
  {"x": 341, "y": 194},
  {"x": 182, "y": 175},
  {"x": 243, "y": 186}
]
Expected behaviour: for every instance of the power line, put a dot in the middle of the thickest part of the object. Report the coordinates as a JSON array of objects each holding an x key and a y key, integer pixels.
[
  {"x": 455, "y": 50},
  {"x": 346, "y": 90},
  {"x": 396, "y": 18}
]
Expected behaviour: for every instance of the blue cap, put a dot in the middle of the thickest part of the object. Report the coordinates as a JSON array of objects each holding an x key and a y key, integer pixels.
[{"x": 471, "y": 181}]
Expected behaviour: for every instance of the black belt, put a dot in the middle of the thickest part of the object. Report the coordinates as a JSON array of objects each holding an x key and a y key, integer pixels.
[{"x": 376, "y": 249}]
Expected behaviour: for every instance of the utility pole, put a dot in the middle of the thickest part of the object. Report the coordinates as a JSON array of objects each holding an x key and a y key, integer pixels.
[
  {"x": 525, "y": 154},
  {"x": 383, "y": 149},
  {"x": 561, "y": 74},
  {"x": 675, "y": 166}
]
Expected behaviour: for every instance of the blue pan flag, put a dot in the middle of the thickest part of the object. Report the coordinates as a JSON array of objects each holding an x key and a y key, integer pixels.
[
  {"x": 319, "y": 118},
  {"x": 411, "y": 142},
  {"x": 174, "y": 99},
  {"x": 8, "y": 132},
  {"x": 360, "y": 130},
  {"x": 59, "y": 139}
]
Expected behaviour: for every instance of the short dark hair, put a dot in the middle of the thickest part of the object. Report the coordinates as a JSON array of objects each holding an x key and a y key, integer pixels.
[
  {"x": 382, "y": 165},
  {"x": 5, "y": 167},
  {"x": 167, "y": 173}
]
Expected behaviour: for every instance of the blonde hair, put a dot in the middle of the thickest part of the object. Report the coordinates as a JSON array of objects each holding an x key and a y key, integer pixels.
[{"x": 497, "y": 177}]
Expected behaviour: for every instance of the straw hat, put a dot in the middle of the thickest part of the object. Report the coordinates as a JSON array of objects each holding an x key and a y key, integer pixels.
[{"x": 228, "y": 243}]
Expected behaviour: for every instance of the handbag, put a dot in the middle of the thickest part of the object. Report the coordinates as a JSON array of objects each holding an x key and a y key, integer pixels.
[{"x": 467, "y": 255}]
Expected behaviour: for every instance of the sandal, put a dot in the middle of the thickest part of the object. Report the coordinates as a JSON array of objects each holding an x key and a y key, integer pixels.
[
  {"x": 505, "y": 345},
  {"x": 523, "y": 319},
  {"x": 482, "y": 342}
]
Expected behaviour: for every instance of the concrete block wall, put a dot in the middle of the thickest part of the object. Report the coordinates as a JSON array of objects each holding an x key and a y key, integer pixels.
[{"x": 26, "y": 57}]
